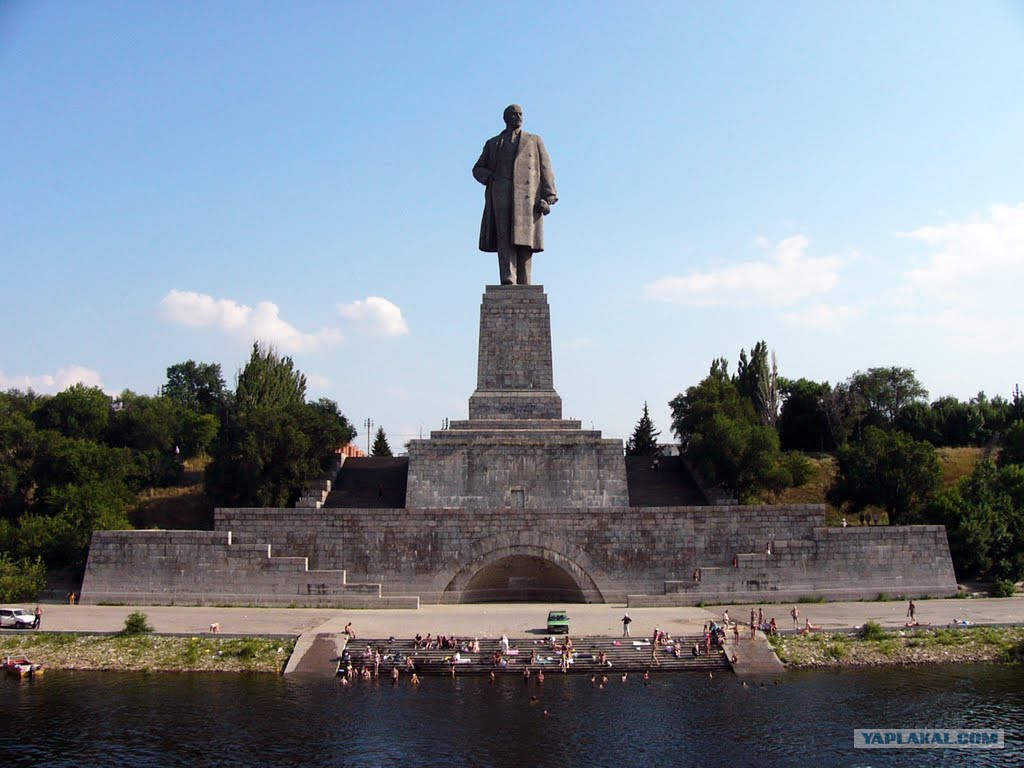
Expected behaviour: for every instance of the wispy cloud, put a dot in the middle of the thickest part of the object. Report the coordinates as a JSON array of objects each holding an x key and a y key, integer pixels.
[
  {"x": 262, "y": 322},
  {"x": 820, "y": 317},
  {"x": 786, "y": 275},
  {"x": 317, "y": 381},
  {"x": 51, "y": 383},
  {"x": 376, "y": 316},
  {"x": 989, "y": 246}
]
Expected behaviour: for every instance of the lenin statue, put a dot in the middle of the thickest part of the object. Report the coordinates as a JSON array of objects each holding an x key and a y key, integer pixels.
[{"x": 516, "y": 170}]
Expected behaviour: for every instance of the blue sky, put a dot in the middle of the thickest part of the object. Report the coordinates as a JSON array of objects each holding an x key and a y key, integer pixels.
[{"x": 842, "y": 180}]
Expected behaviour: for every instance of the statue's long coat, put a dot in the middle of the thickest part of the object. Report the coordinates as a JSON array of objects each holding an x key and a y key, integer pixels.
[{"x": 532, "y": 181}]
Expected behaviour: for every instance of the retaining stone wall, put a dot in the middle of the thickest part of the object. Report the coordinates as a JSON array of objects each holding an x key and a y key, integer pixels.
[
  {"x": 212, "y": 568},
  {"x": 633, "y": 551}
]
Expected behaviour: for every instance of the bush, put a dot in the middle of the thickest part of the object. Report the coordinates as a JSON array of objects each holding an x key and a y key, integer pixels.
[
  {"x": 836, "y": 650},
  {"x": 21, "y": 579},
  {"x": 137, "y": 623},
  {"x": 873, "y": 631},
  {"x": 1015, "y": 653},
  {"x": 1003, "y": 588}
]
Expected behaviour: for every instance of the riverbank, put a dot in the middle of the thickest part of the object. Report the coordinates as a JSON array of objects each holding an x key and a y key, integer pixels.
[
  {"x": 966, "y": 645},
  {"x": 149, "y": 653}
]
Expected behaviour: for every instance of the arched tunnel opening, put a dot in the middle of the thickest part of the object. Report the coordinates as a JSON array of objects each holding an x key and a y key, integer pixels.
[{"x": 522, "y": 578}]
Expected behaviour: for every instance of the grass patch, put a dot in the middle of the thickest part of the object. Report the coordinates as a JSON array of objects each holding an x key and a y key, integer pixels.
[
  {"x": 811, "y": 599},
  {"x": 956, "y": 463},
  {"x": 154, "y": 653},
  {"x": 836, "y": 650}
]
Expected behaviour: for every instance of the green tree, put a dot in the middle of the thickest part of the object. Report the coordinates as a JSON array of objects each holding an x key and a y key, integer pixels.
[
  {"x": 269, "y": 381},
  {"x": 263, "y": 456},
  {"x": 844, "y": 411},
  {"x": 803, "y": 425},
  {"x": 78, "y": 411},
  {"x": 21, "y": 579},
  {"x": 721, "y": 434},
  {"x": 921, "y": 422},
  {"x": 757, "y": 380},
  {"x": 885, "y": 469},
  {"x": 887, "y": 391},
  {"x": 644, "y": 441},
  {"x": 1011, "y": 448},
  {"x": 17, "y": 456},
  {"x": 984, "y": 519},
  {"x": 380, "y": 444},
  {"x": 196, "y": 386}
]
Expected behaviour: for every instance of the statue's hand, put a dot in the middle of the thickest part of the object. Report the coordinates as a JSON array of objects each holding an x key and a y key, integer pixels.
[{"x": 543, "y": 207}]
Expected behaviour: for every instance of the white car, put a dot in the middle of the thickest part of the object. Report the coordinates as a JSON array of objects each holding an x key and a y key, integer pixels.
[{"x": 16, "y": 618}]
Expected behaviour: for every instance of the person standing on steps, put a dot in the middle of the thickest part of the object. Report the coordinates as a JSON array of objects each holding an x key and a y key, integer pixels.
[{"x": 626, "y": 621}]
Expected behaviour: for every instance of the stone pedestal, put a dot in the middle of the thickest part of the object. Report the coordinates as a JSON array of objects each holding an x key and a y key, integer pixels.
[
  {"x": 514, "y": 378},
  {"x": 515, "y": 450}
]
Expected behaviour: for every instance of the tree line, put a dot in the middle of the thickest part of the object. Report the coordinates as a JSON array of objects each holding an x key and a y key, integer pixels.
[
  {"x": 74, "y": 462},
  {"x": 750, "y": 433}
]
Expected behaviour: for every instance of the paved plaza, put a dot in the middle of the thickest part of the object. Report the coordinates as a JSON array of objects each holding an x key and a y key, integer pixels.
[{"x": 516, "y": 619}]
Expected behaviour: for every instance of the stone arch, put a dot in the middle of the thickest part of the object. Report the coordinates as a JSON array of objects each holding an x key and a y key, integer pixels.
[{"x": 492, "y": 551}]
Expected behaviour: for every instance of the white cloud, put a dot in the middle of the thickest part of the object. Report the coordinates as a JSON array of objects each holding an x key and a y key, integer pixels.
[
  {"x": 376, "y": 316},
  {"x": 47, "y": 383},
  {"x": 820, "y": 317},
  {"x": 965, "y": 288},
  {"x": 316, "y": 381},
  {"x": 262, "y": 322},
  {"x": 787, "y": 275},
  {"x": 982, "y": 246}
]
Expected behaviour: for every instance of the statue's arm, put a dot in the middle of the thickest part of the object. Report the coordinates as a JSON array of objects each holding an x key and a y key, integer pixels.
[
  {"x": 481, "y": 171},
  {"x": 547, "y": 191}
]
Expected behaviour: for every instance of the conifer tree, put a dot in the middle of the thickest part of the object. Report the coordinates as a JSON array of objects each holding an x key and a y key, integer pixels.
[
  {"x": 644, "y": 441},
  {"x": 380, "y": 444}
]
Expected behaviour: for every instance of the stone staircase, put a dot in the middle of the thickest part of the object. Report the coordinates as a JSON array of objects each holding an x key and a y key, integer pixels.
[
  {"x": 623, "y": 655},
  {"x": 794, "y": 571},
  {"x": 226, "y": 570},
  {"x": 670, "y": 485},
  {"x": 369, "y": 483}
]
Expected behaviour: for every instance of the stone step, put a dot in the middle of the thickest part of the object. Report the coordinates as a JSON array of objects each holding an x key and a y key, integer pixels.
[
  {"x": 370, "y": 483},
  {"x": 623, "y": 657},
  {"x": 536, "y": 424}
]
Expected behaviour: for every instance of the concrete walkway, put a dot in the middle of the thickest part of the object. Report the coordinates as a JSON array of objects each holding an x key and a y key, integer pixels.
[
  {"x": 514, "y": 619},
  {"x": 752, "y": 657}
]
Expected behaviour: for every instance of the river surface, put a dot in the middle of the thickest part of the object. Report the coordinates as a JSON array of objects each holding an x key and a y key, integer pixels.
[{"x": 678, "y": 719}]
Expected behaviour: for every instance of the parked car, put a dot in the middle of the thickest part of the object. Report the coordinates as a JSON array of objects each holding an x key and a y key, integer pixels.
[
  {"x": 16, "y": 618},
  {"x": 558, "y": 622}
]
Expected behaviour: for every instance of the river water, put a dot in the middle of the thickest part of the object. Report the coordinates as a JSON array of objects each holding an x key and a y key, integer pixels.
[{"x": 678, "y": 719}]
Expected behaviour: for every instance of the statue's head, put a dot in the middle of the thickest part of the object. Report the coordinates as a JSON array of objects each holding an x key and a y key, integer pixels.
[{"x": 513, "y": 115}]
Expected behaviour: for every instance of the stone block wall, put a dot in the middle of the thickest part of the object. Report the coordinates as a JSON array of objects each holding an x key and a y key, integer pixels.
[
  {"x": 486, "y": 469},
  {"x": 397, "y": 557},
  {"x": 835, "y": 564},
  {"x": 212, "y": 568},
  {"x": 515, "y": 378},
  {"x": 614, "y": 554}
]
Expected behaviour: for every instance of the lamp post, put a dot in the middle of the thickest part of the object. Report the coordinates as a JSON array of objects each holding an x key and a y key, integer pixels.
[{"x": 369, "y": 426}]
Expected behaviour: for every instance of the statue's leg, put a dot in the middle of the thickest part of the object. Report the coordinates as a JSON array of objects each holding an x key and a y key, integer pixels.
[
  {"x": 501, "y": 204},
  {"x": 506, "y": 262},
  {"x": 524, "y": 264}
]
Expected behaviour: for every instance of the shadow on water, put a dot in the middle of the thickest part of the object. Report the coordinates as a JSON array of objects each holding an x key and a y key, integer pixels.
[{"x": 102, "y": 719}]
